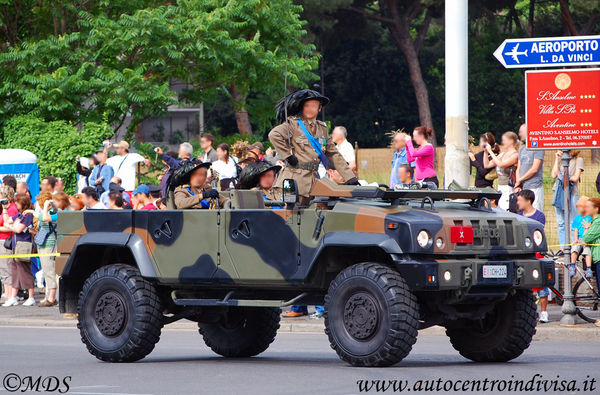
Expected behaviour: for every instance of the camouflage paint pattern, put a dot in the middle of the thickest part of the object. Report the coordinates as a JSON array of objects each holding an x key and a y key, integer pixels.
[{"x": 274, "y": 248}]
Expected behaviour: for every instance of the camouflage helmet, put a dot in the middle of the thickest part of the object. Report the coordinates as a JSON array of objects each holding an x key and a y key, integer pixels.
[
  {"x": 250, "y": 176},
  {"x": 294, "y": 101},
  {"x": 182, "y": 175}
]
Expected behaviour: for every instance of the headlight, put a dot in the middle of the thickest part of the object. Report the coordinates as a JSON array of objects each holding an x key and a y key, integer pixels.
[
  {"x": 535, "y": 274},
  {"x": 447, "y": 275},
  {"x": 423, "y": 239},
  {"x": 538, "y": 237},
  {"x": 528, "y": 242}
]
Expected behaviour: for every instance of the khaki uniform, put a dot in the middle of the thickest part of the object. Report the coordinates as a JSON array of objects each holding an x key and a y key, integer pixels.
[
  {"x": 274, "y": 193},
  {"x": 185, "y": 200},
  {"x": 305, "y": 173}
]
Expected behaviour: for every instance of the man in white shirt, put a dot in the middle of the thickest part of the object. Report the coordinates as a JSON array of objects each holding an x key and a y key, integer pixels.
[
  {"x": 125, "y": 164},
  {"x": 90, "y": 198},
  {"x": 338, "y": 136}
]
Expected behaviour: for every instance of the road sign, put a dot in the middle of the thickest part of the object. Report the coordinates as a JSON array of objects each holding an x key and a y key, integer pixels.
[
  {"x": 549, "y": 52},
  {"x": 563, "y": 109}
]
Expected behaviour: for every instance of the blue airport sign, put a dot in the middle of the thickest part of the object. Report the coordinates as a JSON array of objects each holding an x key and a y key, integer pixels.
[{"x": 549, "y": 52}]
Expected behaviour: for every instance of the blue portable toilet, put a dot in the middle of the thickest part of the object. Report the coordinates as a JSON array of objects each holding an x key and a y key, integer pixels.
[{"x": 22, "y": 165}]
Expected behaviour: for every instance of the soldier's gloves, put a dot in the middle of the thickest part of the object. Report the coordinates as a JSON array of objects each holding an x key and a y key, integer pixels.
[
  {"x": 210, "y": 194},
  {"x": 292, "y": 160},
  {"x": 352, "y": 181}
]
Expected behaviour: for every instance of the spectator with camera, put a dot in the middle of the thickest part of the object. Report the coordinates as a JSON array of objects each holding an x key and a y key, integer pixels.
[{"x": 45, "y": 239}]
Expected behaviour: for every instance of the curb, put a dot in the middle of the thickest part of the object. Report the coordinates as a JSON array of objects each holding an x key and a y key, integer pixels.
[{"x": 544, "y": 332}]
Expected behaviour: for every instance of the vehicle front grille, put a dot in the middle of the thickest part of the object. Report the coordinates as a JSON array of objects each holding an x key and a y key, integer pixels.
[{"x": 489, "y": 233}]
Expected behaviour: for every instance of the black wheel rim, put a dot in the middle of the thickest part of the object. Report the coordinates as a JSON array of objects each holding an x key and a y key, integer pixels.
[
  {"x": 361, "y": 316},
  {"x": 110, "y": 314}
]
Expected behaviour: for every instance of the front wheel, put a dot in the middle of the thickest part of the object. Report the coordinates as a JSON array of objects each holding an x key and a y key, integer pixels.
[
  {"x": 503, "y": 334},
  {"x": 120, "y": 314},
  {"x": 371, "y": 317}
]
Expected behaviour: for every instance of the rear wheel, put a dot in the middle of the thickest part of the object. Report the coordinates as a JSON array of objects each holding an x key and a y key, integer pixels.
[
  {"x": 371, "y": 317},
  {"x": 242, "y": 332},
  {"x": 503, "y": 334},
  {"x": 120, "y": 314}
]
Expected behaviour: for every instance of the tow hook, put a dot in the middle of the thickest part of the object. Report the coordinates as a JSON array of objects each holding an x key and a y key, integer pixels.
[
  {"x": 467, "y": 276},
  {"x": 520, "y": 274}
]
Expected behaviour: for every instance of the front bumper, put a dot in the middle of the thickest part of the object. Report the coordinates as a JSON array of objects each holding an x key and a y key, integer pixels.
[{"x": 464, "y": 274}]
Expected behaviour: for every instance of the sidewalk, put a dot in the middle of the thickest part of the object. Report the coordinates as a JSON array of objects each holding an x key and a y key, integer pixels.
[{"x": 50, "y": 317}]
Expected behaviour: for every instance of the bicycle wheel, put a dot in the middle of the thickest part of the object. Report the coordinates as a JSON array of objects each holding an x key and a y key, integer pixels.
[{"x": 586, "y": 299}]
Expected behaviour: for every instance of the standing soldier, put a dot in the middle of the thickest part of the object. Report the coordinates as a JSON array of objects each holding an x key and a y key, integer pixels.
[{"x": 304, "y": 142}]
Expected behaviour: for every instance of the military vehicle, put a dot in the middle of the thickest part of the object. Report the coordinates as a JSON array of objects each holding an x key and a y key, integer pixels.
[{"x": 384, "y": 263}]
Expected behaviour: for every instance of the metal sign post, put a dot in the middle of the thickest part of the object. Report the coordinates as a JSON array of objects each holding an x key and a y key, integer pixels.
[{"x": 568, "y": 307}]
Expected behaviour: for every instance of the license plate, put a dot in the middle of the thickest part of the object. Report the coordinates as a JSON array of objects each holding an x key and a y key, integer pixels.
[{"x": 494, "y": 271}]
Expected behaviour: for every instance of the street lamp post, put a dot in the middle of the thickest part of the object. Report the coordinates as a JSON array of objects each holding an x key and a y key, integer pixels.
[
  {"x": 568, "y": 307},
  {"x": 456, "y": 163}
]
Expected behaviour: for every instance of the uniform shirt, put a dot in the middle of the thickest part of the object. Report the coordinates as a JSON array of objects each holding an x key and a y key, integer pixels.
[
  {"x": 299, "y": 145},
  {"x": 526, "y": 158},
  {"x": 347, "y": 151},
  {"x": 125, "y": 167}
]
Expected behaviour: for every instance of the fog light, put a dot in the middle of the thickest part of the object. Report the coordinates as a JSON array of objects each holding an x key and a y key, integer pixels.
[
  {"x": 423, "y": 239},
  {"x": 528, "y": 242},
  {"x": 536, "y": 274},
  {"x": 439, "y": 243},
  {"x": 447, "y": 275}
]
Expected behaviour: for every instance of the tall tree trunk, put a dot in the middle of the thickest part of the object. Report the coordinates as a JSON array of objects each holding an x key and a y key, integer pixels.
[
  {"x": 407, "y": 47},
  {"x": 531, "y": 28},
  {"x": 241, "y": 113}
]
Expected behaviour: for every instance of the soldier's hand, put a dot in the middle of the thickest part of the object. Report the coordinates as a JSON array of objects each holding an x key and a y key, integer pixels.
[
  {"x": 210, "y": 194},
  {"x": 352, "y": 181},
  {"x": 292, "y": 160}
]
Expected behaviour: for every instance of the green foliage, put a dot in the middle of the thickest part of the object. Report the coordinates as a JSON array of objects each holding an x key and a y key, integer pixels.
[
  {"x": 55, "y": 143},
  {"x": 118, "y": 59}
]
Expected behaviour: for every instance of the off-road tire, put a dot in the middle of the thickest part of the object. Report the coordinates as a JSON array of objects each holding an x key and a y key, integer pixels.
[
  {"x": 371, "y": 316},
  {"x": 120, "y": 314},
  {"x": 502, "y": 335},
  {"x": 243, "y": 332}
]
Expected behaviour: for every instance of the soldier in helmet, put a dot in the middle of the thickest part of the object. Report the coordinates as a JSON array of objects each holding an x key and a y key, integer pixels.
[
  {"x": 192, "y": 191},
  {"x": 304, "y": 142}
]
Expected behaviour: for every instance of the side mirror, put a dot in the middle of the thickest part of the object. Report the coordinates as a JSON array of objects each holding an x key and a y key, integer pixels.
[{"x": 290, "y": 192}]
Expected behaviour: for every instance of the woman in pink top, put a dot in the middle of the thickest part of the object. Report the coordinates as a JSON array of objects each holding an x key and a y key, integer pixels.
[{"x": 423, "y": 156}]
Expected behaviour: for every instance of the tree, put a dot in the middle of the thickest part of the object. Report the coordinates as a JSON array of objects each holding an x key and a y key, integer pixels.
[
  {"x": 55, "y": 143},
  {"x": 110, "y": 64},
  {"x": 399, "y": 17}
]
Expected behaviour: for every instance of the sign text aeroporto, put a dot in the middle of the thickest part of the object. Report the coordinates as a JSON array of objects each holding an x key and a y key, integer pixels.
[
  {"x": 549, "y": 52},
  {"x": 563, "y": 109}
]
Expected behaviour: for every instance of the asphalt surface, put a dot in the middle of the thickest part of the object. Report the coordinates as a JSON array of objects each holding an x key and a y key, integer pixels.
[{"x": 296, "y": 363}]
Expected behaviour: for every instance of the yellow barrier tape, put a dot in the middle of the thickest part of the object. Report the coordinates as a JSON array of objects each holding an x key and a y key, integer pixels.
[
  {"x": 570, "y": 245},
  {"x": 30, "y": 255}
]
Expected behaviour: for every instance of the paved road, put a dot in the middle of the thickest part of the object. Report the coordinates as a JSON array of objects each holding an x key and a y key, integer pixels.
[{"x": 295, "y": 364}]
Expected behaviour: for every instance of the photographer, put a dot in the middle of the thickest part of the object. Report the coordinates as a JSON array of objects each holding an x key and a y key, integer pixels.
[{"x": 46, "y": 242}]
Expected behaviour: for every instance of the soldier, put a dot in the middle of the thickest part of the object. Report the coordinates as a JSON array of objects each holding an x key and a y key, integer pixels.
[
  {"x": 192, "y": 193},
  {"x": 304, "y": 142}
]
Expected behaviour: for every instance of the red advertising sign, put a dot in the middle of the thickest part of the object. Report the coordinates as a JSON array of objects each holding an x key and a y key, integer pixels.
[{"x": 563, "y": 109}]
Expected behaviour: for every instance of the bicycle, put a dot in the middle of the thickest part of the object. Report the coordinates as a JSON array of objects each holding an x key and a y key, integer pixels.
[{"x": 585, "y": 293}]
